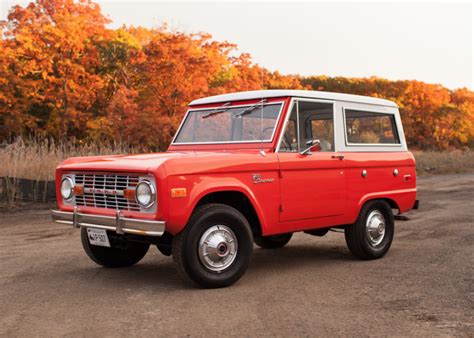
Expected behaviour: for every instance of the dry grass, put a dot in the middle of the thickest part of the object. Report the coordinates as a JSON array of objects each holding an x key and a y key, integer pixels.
[
  {"x": 37, "y": 159},
  {"x": 445, "y": 162}
]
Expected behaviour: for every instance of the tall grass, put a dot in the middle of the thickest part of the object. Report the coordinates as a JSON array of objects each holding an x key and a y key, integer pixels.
[
  {"x": 444, "y": 162},
  {"x": 36, "y": 159}
]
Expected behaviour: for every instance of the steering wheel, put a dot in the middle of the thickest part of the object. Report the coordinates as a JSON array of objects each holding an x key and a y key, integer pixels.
[
  {"x": 285, "y": 137},
  {"x": 287, "y": 142},
  {"x": 265, "y": 130}
]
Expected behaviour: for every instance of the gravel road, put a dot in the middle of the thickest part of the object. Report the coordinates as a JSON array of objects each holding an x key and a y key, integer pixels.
[{"x": 423, "y": 286}]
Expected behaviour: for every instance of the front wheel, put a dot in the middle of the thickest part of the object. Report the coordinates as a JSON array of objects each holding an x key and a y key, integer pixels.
[
  {"x": 215, "y": 248},
  {"x": 121, "y": 254},
  {"x": 273, "y": 242},
  {"x": 371, "y": 235}
]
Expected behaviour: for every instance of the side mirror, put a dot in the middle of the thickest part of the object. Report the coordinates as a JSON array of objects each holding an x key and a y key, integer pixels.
[{"x": 313, "y": 145}]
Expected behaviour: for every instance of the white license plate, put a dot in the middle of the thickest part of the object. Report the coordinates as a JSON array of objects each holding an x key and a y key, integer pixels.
[{"x": 98, "y": 237}]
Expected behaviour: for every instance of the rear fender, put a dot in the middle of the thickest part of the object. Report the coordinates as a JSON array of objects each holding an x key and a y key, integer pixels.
[{"x": 403, "y": 200}]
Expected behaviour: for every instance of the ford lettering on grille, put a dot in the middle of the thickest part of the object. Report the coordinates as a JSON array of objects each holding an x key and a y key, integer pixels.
[{"x": 103, "y": 191}]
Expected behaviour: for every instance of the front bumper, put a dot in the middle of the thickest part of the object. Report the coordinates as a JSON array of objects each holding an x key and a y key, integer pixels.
[{"x": 119, "y": 224}]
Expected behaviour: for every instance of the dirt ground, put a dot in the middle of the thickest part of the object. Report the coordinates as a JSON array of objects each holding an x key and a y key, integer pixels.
[{"x": 423, "y": 286}]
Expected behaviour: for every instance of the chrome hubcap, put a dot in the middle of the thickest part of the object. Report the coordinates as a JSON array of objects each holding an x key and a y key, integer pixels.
[
  {"x": 375, "y": 227},
  {"x": 217, "y": 248}
]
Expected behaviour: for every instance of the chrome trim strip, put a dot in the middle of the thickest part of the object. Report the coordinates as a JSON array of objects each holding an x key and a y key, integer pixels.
[
  {"x": 116, "y": 223},
  {"x": 282, "y": 103}
]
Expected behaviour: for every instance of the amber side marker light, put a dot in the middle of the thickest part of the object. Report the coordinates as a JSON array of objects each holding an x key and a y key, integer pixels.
[
  {"x": 78, "y": 190},
  {"x": 129, "y": 194},
  {"x": 178, "y": 192}
]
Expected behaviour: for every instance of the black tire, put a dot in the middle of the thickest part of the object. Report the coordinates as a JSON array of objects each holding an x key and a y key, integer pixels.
[
  {"x": 185, "y": 246},
  {"x": 273, "y": 242},
  {"x": 165, "y": 249},
  {"x": 164, "y": 244},
  {"x": 356, "y": 235},
  {"x": 126, "y": 254},
  {"x": 318, "y": 232}
]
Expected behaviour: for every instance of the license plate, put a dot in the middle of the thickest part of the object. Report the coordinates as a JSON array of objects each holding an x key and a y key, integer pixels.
[{"x": 98, "y": 237}]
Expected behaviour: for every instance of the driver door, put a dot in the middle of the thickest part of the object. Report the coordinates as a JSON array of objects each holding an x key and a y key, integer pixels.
[{"x": 312, "y": 185}]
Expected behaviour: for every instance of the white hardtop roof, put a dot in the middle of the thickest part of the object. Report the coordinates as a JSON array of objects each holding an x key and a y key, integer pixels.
[{"x": 260, "y": 94}]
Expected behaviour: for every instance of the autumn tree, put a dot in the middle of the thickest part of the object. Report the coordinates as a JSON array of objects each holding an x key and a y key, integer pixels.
[
  {"x": 463, "y": 101},
  {"x": 48, "y": 50}
]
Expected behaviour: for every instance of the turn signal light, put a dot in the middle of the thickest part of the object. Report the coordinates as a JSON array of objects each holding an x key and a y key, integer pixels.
[
  {"x": 178, "y": 192},
  {"x": 78, "y": 190},
  {"x": 129, "y": 194}
]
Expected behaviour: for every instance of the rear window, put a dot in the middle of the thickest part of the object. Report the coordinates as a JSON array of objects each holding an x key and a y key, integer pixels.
[{"x": 363, "y": 127}]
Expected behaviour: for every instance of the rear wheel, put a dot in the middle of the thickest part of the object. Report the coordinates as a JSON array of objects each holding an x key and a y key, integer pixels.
[
  {"x": 371, "y": 235},
  {"x": 273, "y": 242},
  {"x": 120, "y": 254},
  {"x": 215, "y": 248}
]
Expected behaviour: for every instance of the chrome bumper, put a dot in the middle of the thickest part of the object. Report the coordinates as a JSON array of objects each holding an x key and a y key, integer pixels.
[{"x": 118, "y": 223}]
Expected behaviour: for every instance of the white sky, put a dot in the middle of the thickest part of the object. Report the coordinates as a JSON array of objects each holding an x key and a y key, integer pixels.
[{"x": 427, "y": 41}]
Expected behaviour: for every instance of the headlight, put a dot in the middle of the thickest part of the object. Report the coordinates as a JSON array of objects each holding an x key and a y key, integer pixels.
[
  {"x": 145, "y": 194},
  {"x": 67, "y": 188}
]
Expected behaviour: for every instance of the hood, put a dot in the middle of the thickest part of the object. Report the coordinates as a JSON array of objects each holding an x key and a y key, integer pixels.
[
  {"x": 127, "y": 163},
  {"x": 176, "y": 163}
]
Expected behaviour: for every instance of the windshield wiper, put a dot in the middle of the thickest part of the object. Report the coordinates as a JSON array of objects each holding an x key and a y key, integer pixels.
[
  {"x": 217, "y": 111},
  {"x": 249, "y": 109}
]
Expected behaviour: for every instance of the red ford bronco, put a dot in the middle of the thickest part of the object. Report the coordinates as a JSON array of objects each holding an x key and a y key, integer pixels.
[{"x": 245, "y": 168}]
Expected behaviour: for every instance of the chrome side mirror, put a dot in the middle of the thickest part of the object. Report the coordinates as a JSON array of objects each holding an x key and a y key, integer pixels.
[{"x": 313, "y": 145}]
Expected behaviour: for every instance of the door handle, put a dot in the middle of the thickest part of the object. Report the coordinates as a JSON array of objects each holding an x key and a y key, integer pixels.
[{"x": 340, "y": 157}]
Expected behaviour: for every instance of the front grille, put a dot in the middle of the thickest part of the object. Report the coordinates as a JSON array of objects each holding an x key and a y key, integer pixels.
[{"x": 107, "y": 190}]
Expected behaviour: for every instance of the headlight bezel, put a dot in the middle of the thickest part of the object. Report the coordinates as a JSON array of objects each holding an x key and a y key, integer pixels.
[
  {"x": 152, "y": 192},
  {"x": 71, "y": 188}
]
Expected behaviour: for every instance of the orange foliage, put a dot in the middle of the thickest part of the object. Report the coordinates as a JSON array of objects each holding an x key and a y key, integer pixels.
[{"x": 63, "y": 73}]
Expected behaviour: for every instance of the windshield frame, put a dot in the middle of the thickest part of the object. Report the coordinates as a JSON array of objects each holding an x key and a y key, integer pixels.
[{"x": 223, "y": 106}]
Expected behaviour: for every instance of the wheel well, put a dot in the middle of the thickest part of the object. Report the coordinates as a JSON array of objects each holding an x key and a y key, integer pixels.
[
  {"x": 390, "y": 202},
  {"x": 237, "y": 200}
]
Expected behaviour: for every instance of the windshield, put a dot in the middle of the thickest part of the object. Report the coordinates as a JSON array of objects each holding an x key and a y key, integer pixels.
[{"x": 226, "y": 124}]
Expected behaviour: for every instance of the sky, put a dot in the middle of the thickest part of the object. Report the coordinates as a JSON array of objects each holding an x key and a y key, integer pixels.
[{"x": 426, "y": 41}]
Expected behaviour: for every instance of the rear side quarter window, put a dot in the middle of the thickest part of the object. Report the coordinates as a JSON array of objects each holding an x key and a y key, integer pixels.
[{"x": 370, "y": 128}]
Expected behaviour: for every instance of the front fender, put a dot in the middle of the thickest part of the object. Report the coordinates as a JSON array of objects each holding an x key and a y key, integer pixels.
[{"x": 180, "y": 209}]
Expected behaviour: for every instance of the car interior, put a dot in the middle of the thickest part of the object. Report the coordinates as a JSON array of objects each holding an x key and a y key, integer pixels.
[{"x": 315, "y": 123}]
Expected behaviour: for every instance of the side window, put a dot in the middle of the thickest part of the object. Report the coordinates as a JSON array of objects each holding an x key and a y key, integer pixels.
[
  {"x": 316, "y": 123},
  {"x": 309, "y": 121},
  {"x": 289, "y": 143},
  {"x": 364, "y": 127}
]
